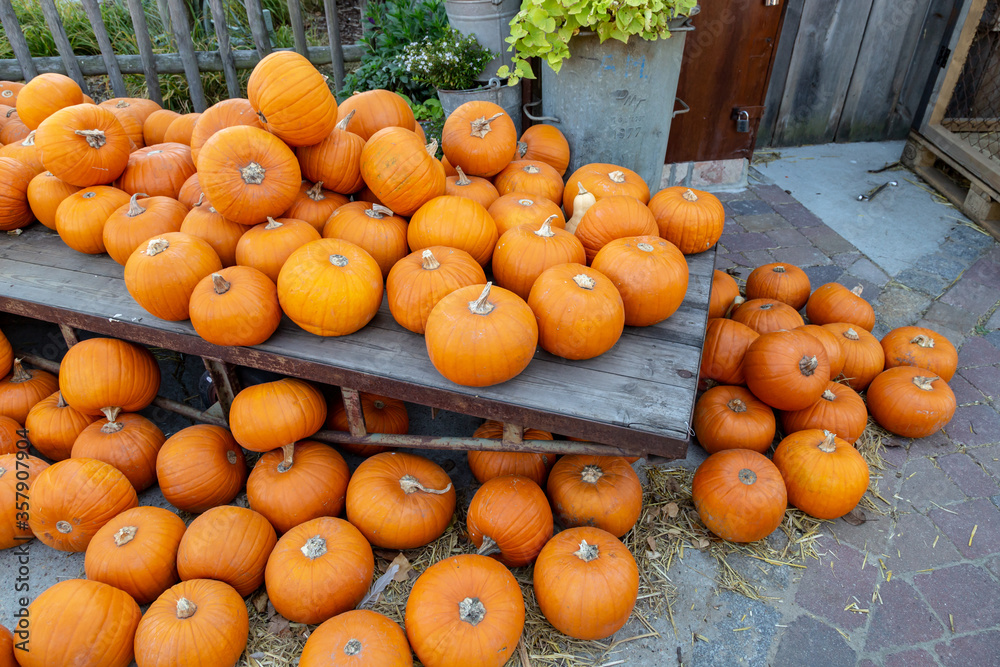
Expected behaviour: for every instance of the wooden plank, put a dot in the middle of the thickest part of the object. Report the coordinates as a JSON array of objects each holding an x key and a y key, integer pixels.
[
  {"x": 138, "y": 14},
  {"x": 18, "y": 44},
  {"x": 182, "y": 33},
  {"x": 93, "y": 10},
  {"x": 941, "y": 96},
  {"x": 255, "y": 16},
  {"x": 225, "y": 50},
  {"x": 55, "y": 24},
  {"x": 333, "y": 35},
  {"x": 975, "y": 161},
  {"x": 883, "y": 59},
  {"x": 779, "y": 71},
  {"x": 298, "y": 27},
  {"x": 819, "y": 73},
  {"x": 168, "y": 30}
]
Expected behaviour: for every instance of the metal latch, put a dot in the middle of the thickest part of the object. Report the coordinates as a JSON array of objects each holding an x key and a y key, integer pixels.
[
  {"x": 772, "y": 3},
  {"x": 743, "y": 121}
]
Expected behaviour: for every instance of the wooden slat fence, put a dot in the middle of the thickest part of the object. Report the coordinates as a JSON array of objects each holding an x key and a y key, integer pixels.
[{"x": 174, "y": 18}]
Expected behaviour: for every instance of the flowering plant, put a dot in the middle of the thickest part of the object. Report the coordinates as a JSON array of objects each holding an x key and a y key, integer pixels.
[{"x": 451, "y": 62}]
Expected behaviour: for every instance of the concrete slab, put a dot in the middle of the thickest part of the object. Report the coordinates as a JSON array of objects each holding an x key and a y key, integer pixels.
[{"x": 828, "y": 178}]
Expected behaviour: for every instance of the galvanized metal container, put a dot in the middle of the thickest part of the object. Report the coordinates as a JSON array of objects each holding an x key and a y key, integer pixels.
[
  {"x": 508, "y": 97},
  {"x": 614, "y": 101},
  {"x": 489, "y": 21}
]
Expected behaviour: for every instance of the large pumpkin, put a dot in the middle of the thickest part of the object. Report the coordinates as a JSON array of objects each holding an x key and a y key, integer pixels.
[
  {"x": 417, "y": 282},
  {"x": 399, "y": 500},
  {"x": 456, "y": 222},
  {"x": 129, "y": 442},
  {"x": 22, "y": 389},
  {"x": 293, "y": 485},
  {"x": 839, "y": 410},
  {"x": 227, "y": 543},
  {"x": 83, "y": 145},
  {"x": 137, "y": 552},
  {"x": 767, "y": 315},
  {"x": 15, "y": 177},
  {"x": 833, "y": 302},
  {"x": 381, "y": 414},
  {"x": 372, "y": 227},
  {"x": 481, "y": 336},
  {"x": 81, "y": 216},
  {"x": 824, "y": 475},
  {"x": 267, "y": 246},
  {"x": 690, "y": 219},
  {"x": 782, "y": 282},
  {"x": 219, "y": 116},
  {"x": 292, "y": 99},
  {"x": 545, "y": 143},
  {"x": 99, "y": 374},
  {"x": 71, "y": 500},
  {"x": 604, "y": 180},
  {"x": 739, "y": 494},
  {"x": 788, "y": 370},
  {"x": 863, "y": 354},
  {"x": 336, "y": 160},
  {"x": 372, "y": 110},
  {"x": 920, "y": 347},
  {"x": 18, "y": 473},
  {"x": 236, "y": 306},
  {"x": 44, "y": 95},
  {"x": 319, "y": 569},
  {"x": 81, "y": 623},
  {"x": 357, "y": 638},
  {"x": 158, "y": 171},
  {"x": 651, "y": 275},
  {"x": 330, "y": 287},
  {"x": 523, "y": 253},
  {"x": 139, "y": 220},
  {"x": 733, "y": 418},
  {"x": 571, "y": 568},
  {"x": 601, "y": 491},
  {"x": 465, "y": 610},
  {"x": 200, "y": 467},
  {"x": 911, "y": 402},
  {"x": 611, "y": 218},
  {"x": 724, "y": 350},
  {"x": 270, "y": 415},
  {"x": 162, "y": 274},
  {"x": 45, "y": 193},
  {"x": 510, "y": 517},
  {"x": 724, "y": 292},
  {"x": 54, "y": 426},
  {"x": 480, "y": 138},
  {"x": 399, "y": 171}
]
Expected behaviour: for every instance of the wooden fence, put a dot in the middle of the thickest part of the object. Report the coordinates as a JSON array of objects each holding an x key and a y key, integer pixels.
[{"x": 175, "y": 19}]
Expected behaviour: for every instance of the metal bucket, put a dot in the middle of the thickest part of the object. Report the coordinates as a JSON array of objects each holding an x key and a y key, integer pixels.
[
  {"x": 508, "y": 97},
  {"x": 614, "y": 101},
  {"x": 489, "y": 21}
]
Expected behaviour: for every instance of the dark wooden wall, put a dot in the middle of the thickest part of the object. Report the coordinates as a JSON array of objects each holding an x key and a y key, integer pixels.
[{"x": 851, "y": 70}]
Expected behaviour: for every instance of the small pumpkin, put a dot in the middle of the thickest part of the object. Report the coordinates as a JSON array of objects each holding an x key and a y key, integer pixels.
[
  {"x": 235, "y": 306},
  {"x": 783, "y": 282},
  {"x": 510, "y": 517},
  {"x": 480, "y": 138},
  {"x": 45, "y": 193},
  {"x": 863, "y": 354},
  {"x": 487, "y": 464},
  {"x": 25, "y": 152},
  {"x": 399, "y": 500},
  {"x": 733, "y": 418},
  {"x": 911, "y": 402},
  {"x": 824, "y": 475},
  {"x": 227, "y": 543},
  {"x": 381, "y": 414},
  {"x": 319, "y": 569},
  {"x": 159, "y": 170},
  {"x": 133, "y": 128},
  {"x": 10, "y": 436},
  {"x": 724, "y": 293},
  {"x": 139, "y": 220},
  {"x": 372, "y": 227},
  {"x": 13, "y": 130},
  {"x": 336, "y": 160},
  {"x": 601, "y": 491},
  {"x": 6, "y": 355},
  {"x": 139, "y": 108},
  {"x": 833, "y": 302},
  {"x": 547, "y": 144},
  {"x": 788, "y": 370},
  {"x": 611, "y": 218},
  {"x": 191, "y": 193},
  {"x": 18, "y": 473},
  {"x": 267, "y": 246},
  {"x": 481, "y": 336},
  {"x": 768, "y": 315},
  {"x": 571, "y": 568},
  {"x": 200, "y": 467},
  {"x": 162, "y": 274},
  {"x": 724, "y": 350},
  {"x": 651, "y": 275},
  {"x": 7, "y": 648},
  {"x": 81, "y": 216},
  {"x": 839, "y": 410},
  {"x": 22, "y": 389},
  {"x": 83, "y": 145},
  {"x": 519, "y": 208},
  {"x": 181, "y": 129},
  {"x": 739, "y": 494},
  {"x": 399, "y": 171},
  {"x": 533, "y": 177},
  {"x": 15, "y": 177},
  {"x": 219, "y": 116},
  {"x": 137, "y": 552},
  {"x": 154, "y": 128},
  {"x": 71, "y": 500},
  {"x": 44, "y": 95},
  {"x": 206, "y": 223},
  {"x": 436, "y": 223},
  {"x": 920, "y": 347},
  {"x": 9, "y": 91},
  {"x": 270, "y": 415},
  {"x": 372, "y": 110},
  {"x": 358, "y": 637},
  {"x": 600, "y": 180},
  {"x": 524, "y": 253},
  {"x": 690, "y": 219},
  {"x": 476, "y": 188},
  {"x": 129, "y": 442},
  {"x": 465, "y": 610},
  {"x": 418, "y": 281},
  {"x": 292, "y": 99},
  {"x": 314, "y": 204},
  {"x": 98, "y": 374},
  {"x": 834, "y": 350}
]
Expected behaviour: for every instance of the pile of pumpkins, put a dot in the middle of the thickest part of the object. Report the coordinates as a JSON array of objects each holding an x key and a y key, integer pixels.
[
  {"x": 235, "y": 216},
  {"x": 760, "y": 357},
  {"x": 315, "y": 566}
]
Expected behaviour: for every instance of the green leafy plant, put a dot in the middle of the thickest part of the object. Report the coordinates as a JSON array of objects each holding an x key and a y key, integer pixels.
[
  {"x": 543, "y": 28},
  {"x": 450, "y": 62}
]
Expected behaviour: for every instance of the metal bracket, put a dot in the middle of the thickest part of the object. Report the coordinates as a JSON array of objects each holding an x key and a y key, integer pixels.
[
  {"x": 537, "y": 118},
  {"x": 678, "y": 112}
]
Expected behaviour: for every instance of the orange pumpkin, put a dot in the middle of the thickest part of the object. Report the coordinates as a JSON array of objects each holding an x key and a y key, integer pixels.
[
  {"x": 83, "y": 145},
  {"x": 292, "y": 99},
  {"x": 519, "y": 208},
  {"x": 154, "y": 128},
  {"x": 437, "y": 223},
  {"x": 6, "y": 355},
  {"x": 788, "y": 370},
  {"x": 481, "y": 336},
  {"x": 418, "y": 281},
  {"x": 863, "y": 354},
  {"x": 533, "y": 177},
  {"x": 204, "y": 222},
  {"x": 219, "y": 116},
  {"x": 319, "y": 569},
  {"x": 99, "y": 374},
  {"x": 604, "y": 180},
  {"x": 18, "y": 472},
  {"x": 839, "y": 410},
  {"x": 651, "y": 275},
  {"x": 129, "y": 442},
  {"x": 45, "y": 193},
  {"x": 911, "y": 402},
  {"x": 137, "y": 221},
  {"x": 724, "y": 292},
  {"x": 733, "y": 418},
  {"x": 7, "y": 648},
  {"x": 824, "y": 475},
  {"x": 54, "y": 426},
  {"x": 359, "y": 637},
  {"x": 336, "y": 160},
  {"x": 510, "y": 517},
  {"x": 133, "y": 128},
  {"x": 139, "y": 108},
  {"x": 485, "y": 465},
  {"x": 524, "y": 253},
  {"x": 25, "y": 152},
  {"x": 920, "y": 347},
  {"x": 399, "y": 500},
  {"x": 381, "y": 414},
  {"x": 13, "y": 129},
  {"x": 372, "y": 227},
  {"x": 162, "y": 274},
  {"x": 690, "y": 219},
  {"x": 768, "y": 315},
  {"x": 200, "y": 467},
  {"x": 270, "y": 415},
  {"x": 314, "y": 204},
  {"x": 9, "y": 436},
  {"x": 782, "y": 282},
  {"x": 267, "y": 246},
  {"x": 22, "y": 389},
  {"x": 191, "y": 193},
  {"x": 476, "y": 188},
  {"x": 547, "y": 144},
  {"x": 9, "y": 91},
  {"x": 15, "y": 177},
  {"x": 236, "y": 306},
  {"x": 181, "y": 129},
  {"x": 611, "y": 218},
  {"x": 480, "y": 138},
  {"x": 833, "y": 302},
  {"x": 739, "y": 494},
  {"x": 158, "y": 171},
  {"x": 400, "y": 172},
  {"x": 726, "y": 343},
  {"x": 601, "y": 491},
  {"x": 81, "y": 216},
  {"x": 44, "y": 95},
  {"x": 834, "y": 350},
  {"x": 370, "y": 111},
  {"x": 230, "y": 544}
]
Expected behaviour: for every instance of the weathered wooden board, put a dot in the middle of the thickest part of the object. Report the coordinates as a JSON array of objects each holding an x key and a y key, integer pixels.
[
  {"x": 779, "y": 72},
  {"x": 12, "y": 28},
  {"x": 639, "y": 395},
  {"x": 55, "y": 24}
]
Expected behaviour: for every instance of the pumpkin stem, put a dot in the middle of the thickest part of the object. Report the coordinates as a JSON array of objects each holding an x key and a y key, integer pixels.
[
  {"x": 472, "y": 611},
  {"x": 113, "y": 426},
  {"x": 287, "y": 460},
  {"x": 584, "y": 281},
  {"x": 851, "y": 334},
  {"x": 20, "y": 373},
  {"x": 342, "y": 125},
  {"x": 531, "y": 169},
  {"x": 339, "y": 261},
  {"x": 857, "y": 290},
  {"x": 3, "y": 471},
  {"x": 411, "y": 484},
  {"x": 133, "y": 205},
  {"x": 829, "y": 443},
  {"x": 429, "y": 261},
  {"x": 29, "y": 140},
  {"x": 645, "y": 247},
  {"x": 125, "y": 535},
  {"x": 766, "y": 306},
  {"x": 489, "y": 547},
  {"x": 432, "y": 148},
  {"x": 253, "y": 174},
  {"x": 526, "y": 202},
  {"x": 829, "y": 395},
  {"x": 923, "y": 341},
  {"x": 231, "y": 457},
  {"x": 462, "y": 178},
  {"x": 617, "y": 176},
  {"x": 779, "y": 269},
  {"x": 122, "y": 104},
  {"x": 316, "y": 192},
  {"x": 186, "y": 608},
  {"x": 272, "y": 223},
  {"x": 689, "y": 195},
  {"x": 737, "y": 302},
  {"x": 314, "y": 547},
  {"x": 522, "y": 149},
  {"x": 808, "y": 365},
  {"x": 352, "y": 647},
  {"x": 587, "y": 552},
  {"x": 156, "y": 246},
  {"x": 221, "y": 284},
  {"x": 95, "y": 138},
  {"x": 591, "y": 473},
  {"x": 64, "y": 527},
  {"x": 201, "y": 198},
  {"x": 925, "y": 383},
  {"x": 545, "y": 231},
  {"x": 747, "y": 476},
  {"x": 378, "y": 211},
  {"x": 61, "y": 402},
  {"x": 482, "y": 306},
  {"x": 481, "y": 126},
  {"x": 736, "y": 405},
  {"x": 580, "y": 190}
]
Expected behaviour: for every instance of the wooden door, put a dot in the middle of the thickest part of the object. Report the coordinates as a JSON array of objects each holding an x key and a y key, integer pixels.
[{"x": 726, "y": 67}]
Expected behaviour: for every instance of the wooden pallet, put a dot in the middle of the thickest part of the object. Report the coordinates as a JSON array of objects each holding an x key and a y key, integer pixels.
[
  {"x": 977, "y": 200},
  {"x": 637, "y": 398}
]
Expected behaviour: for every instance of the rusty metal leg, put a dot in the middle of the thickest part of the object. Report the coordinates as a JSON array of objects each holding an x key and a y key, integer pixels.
[
  {"x": 512, "y": 434},
  {"x": 69, "y": 335},
  {"x": 225, "y": 381},
  {"x": 355, "y": 417}
]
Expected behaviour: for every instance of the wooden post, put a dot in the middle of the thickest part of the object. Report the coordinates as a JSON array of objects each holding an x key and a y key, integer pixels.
[
  {"x": 182, "y": 33},
  {"x": 225, "y": 50},
  {"x": 93, "y": 10},
  {"x": 226, "y": 383},
  {"x": 164, "y": 11},
  {"x": 298, "y": 27},
  {"x": 12, "y": 27},
  {"x": 255, "y": 15},
  {"x": 355, "y": 414},
  {"x": 336, "y": 51},
  {"x": 138, "y": 13},
  {"x": 54, "y": 21}
]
